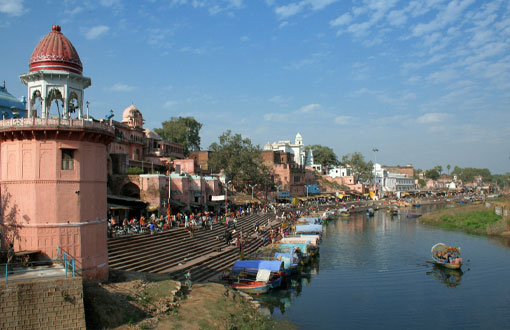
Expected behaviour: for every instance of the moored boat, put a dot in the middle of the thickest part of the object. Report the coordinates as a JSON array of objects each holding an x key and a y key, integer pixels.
[
  {"x": 413, "y": 215},
  {"x": 251, "y": 287},
  {"x": 257, "y": 276},
  {"x": 446, "y": 256}
]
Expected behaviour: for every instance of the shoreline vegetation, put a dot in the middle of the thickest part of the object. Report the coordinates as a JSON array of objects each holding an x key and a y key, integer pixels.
[{"x": 475, "y": 219}]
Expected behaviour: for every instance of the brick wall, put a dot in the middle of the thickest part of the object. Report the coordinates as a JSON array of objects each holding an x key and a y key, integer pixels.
[{"x": 42, "y": 304}]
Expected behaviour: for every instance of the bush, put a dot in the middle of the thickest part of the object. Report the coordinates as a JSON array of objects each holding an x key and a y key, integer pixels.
[{"x": 134, "y": 170}]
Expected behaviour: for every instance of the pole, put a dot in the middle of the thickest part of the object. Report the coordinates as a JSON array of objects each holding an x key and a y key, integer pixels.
[
  {"x": 226, "y": 197},
  {"x": 168, "y": 211}
]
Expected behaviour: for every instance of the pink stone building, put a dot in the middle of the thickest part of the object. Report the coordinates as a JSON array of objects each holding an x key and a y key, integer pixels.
[{"x": 53, "y": 163}]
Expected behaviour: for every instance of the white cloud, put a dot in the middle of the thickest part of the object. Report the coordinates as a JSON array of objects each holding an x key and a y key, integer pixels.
[
  {"x": 12, "y": 7},
  {"x": 96, "y": 32},
  {"x": 310, "y": 108},
  {"x": 120, "y": 87},
  {"x": 279, "y": 99},
  {"x": 397, "y": 17},
  {"x": 343, "y": 19},
  {"x": 110, "y": 3},
  {"x": 319, "y": 4},
  {"x": 450, "y": 14},
  {"x": 343, "y": 120},
  {"x": 277, "y": 117},
  {"x": 245, "y": 38},
  {"x": 432, "y": 117},
  {"x": 74, "y": 11},
  {"x": 169, "y": 104},
  {"x": 289, "y": 10},
  {"x": 295, "y": 8}
]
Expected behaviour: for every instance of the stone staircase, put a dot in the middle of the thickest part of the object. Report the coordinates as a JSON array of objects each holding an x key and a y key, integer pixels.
[{"x": 175, "y": 253}]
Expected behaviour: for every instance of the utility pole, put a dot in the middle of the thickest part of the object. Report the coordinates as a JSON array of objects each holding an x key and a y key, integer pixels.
[
  {"x": 252, "y": 186},
  {"x": 226, "y": 197}
]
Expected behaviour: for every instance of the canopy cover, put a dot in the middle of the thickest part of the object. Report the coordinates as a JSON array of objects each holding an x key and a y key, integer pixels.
[
  {"x": 286, "y": 246},
  {"x": 309, "y": 229},
  {"x": 271, "y": 265}
]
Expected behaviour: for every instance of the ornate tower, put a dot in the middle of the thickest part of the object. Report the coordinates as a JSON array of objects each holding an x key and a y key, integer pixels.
[
  {"x": 55, "y": 75},
  {"x": 54, "y": 165}
]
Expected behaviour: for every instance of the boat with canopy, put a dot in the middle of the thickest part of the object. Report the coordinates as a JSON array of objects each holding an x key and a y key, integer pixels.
[{"x": 446, "y": 256}]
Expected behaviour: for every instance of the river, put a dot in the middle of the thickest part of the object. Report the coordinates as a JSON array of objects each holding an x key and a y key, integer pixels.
[{"x": 373, "y": 274}]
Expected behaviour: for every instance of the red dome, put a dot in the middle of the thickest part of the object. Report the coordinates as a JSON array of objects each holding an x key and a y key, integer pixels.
[{"x": 55, "y": 52}]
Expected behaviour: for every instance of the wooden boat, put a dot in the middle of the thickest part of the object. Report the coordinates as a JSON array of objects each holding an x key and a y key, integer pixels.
[
  {"x": 413, "y": 215},
  {"x": 256, "y": 276},
  {"x": 394, "y": 210},
  {"x": 255, "y": 287},
  {"x": 446, "y": 256}
]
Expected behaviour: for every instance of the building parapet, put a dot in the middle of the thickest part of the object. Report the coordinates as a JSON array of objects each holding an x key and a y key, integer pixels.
[{"x": 57, "y": 123}]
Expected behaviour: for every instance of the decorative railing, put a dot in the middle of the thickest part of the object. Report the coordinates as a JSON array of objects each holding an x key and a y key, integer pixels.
[
  {"x": 29, "y": 270},
  {"x": 54, "y": 122}
]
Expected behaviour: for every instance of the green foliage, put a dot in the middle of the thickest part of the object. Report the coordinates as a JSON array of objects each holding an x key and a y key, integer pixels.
[
  {"x": 182, "y": 130},
  {"x": 468, "y": 174},
  {"x": 363, "y": 171},
  {"x": 422, "y": 182},
  {"x": 433, "y": 174},
  {"x": 474, "y": 219},
  {"x": 240, "y": 161},
  {"x": 134, "y": 170},
  {"x": 501, "y": 180},
  {"x": 323, "y": 155}
]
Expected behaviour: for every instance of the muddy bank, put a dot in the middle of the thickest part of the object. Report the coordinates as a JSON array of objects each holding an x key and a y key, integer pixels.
[{"x": 132, "y": 300}]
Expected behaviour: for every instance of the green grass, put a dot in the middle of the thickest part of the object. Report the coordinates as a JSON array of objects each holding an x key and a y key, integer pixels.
[{"x": 475, "y": 220}]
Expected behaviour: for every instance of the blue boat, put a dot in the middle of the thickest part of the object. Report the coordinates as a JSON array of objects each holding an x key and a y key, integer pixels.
[
  {"x": 290, "y": 262},
  {"x": 250, "y": 272},
  {"x": 293, "y": 248}
]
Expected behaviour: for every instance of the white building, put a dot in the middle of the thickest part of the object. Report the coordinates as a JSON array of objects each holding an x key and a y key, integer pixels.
[
  {"x": 339, "y": 171},
  {"x": 297, "y": 149},
  {"x": 392, "y": 182}
]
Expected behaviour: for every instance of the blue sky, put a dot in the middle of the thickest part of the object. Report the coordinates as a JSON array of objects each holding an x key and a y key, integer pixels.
[{"x": 425, "y": 82}]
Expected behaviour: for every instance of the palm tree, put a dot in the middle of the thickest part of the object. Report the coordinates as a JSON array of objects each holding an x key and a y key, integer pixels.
[{"x": 448, "y": 168}]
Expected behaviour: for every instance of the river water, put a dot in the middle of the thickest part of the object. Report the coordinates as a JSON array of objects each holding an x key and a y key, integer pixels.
[{"x": 373, "y": 274}]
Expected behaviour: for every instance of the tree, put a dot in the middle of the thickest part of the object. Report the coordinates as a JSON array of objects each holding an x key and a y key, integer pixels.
[
  {"x": 468, "y": 174},
  {"x": 448, "y": 167},
  {"x": 362, "y": 170},
  {"x": 323, "y": 155},
  {"x": 439, "y": 169},
  {"x": 433, "y": 173},
  {"x": 240, "y": 161},
  {"x": 182, "y": 130}
]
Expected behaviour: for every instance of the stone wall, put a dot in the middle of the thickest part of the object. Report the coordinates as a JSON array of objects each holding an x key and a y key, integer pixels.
[{"x": 42, "y": 304}]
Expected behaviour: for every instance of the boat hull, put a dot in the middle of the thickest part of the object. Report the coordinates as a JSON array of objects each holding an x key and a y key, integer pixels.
[
  {"x": 252, "y": 287},
  {"x": 448, "y": 265}
]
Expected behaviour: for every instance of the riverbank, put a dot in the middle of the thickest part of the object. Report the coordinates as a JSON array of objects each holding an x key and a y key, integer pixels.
[
  {"x": 475, "y": 219},
  {"x": 133, "y": 300}
]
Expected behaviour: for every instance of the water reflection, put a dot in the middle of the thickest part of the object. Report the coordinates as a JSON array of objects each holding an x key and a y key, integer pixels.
[
  {"x": 451, "y": 278},
  {"x": 373, "y": 275},
  {"x": 278, "y": 301}
]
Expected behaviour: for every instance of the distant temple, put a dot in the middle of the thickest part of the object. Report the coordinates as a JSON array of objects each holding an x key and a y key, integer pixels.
[
  {"x": 297, "y": 149},
  {"x": 11, "y": 107}
]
